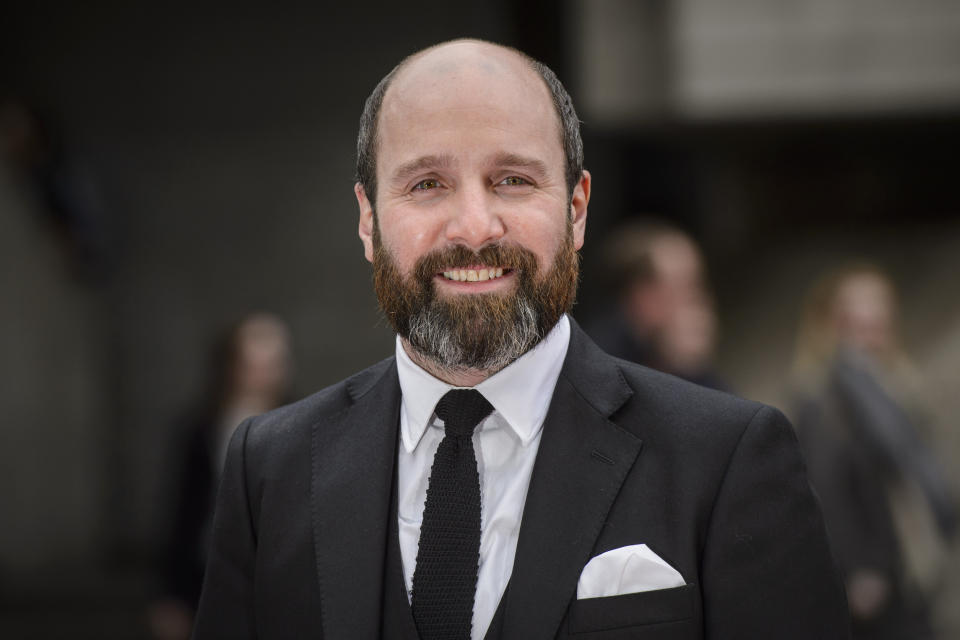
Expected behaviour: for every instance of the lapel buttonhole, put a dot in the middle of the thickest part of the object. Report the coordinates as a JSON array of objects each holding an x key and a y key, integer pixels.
[{"x": 597, "y": 455}]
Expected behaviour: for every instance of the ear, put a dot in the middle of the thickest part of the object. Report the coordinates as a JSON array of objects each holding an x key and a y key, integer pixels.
[
  {"x": 578, "y": 209},
  {"x": 366, "y": 221}
]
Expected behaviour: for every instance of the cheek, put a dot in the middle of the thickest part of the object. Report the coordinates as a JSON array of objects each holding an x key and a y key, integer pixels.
[
  {"x": 407, "y": 240},
  {"x": 544, "y": 239}
]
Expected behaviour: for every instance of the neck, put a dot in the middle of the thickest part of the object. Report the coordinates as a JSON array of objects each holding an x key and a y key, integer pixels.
[{"x": 457, "y": 377}]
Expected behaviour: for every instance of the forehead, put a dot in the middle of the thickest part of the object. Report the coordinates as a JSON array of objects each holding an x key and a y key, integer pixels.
[
  {"x": 865, "y": 289},
  {"x": 466, "y": 89}
]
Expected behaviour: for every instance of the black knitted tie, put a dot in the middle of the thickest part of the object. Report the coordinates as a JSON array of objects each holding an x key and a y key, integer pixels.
[{"x": 445, "y": 578}]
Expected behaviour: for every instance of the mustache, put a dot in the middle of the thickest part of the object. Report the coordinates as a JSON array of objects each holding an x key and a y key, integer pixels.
[{"x": 513, "y": 257}]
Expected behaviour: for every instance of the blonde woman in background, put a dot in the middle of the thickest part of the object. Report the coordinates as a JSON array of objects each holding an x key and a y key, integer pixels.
[{"x": 888, "y": 509}]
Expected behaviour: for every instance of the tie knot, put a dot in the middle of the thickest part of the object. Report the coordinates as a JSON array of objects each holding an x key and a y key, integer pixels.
[{"x": 462, "y": 410}]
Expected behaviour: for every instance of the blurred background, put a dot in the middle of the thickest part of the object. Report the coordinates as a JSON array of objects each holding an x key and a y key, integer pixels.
[{"x": 170, "y": 169}]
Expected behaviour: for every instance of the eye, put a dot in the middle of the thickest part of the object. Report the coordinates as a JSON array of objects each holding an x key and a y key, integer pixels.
[
  {"x": 514, "y": 181},
  {"x": 426, "y": 185}
]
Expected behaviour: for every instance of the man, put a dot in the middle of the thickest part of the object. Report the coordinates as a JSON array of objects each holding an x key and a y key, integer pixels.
[
  {"x": 502, "y": 477},
  {"x": 662, "y": 314}
]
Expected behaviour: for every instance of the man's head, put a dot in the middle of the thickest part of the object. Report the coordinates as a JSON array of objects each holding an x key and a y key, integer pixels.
[
  {"x": 465, "y": 152},
  {"x": 367, "y": 139},
  {"x": 663, "y": 295},
  {"x": 656, "y": 269}
]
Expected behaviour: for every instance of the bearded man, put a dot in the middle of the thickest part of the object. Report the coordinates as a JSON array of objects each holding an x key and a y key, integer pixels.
[{"x": 500, "y": 476}]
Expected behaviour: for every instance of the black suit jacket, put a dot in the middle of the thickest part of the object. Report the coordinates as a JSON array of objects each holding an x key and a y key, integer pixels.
[{"x": 714, "y": 484}]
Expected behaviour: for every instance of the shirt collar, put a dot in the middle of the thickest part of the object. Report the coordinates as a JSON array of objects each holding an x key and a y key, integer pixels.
[{"x": 520, "y": 393}]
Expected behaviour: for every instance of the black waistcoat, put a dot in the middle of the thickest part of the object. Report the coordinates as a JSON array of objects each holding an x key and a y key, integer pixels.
[{"x": 397, "y": 620}]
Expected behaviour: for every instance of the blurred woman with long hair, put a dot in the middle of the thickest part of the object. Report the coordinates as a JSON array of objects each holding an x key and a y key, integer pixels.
[{"x": 887, "y": 506}]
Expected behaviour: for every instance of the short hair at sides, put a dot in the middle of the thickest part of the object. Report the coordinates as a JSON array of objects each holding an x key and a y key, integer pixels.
[{"x": 569, "y": 125}]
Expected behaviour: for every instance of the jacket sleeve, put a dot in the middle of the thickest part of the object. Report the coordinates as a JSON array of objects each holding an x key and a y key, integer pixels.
[
  {"x": 226, "y": 603},
  {"x": 767, "y": 567}
]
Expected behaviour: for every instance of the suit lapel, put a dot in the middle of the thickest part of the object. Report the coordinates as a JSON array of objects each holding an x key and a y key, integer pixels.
[
  {"x": 582, "y": 462},
  {"x": 353, "y": 459}
]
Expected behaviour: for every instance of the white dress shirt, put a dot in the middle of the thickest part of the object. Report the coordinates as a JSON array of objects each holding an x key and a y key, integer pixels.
[{"x": 506, "y": 444}]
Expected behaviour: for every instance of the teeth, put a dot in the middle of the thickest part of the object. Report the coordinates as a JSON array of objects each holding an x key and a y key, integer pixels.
[{"x": 473, "y": 275}]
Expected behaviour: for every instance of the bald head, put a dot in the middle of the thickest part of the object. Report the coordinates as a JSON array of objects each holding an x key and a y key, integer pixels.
[
  {"x": 454, "y": 55},
  {"x": 466, "y": 74},
  {"x": 460, "y": 72}
]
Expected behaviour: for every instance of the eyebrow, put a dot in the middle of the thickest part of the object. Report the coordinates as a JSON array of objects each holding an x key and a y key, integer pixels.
[
  {"x": 533, "y": 165},
  {"x": 409, "y": 169}
]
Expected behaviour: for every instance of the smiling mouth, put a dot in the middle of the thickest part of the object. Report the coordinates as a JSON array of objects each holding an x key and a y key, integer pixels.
[{"x": 475, "y": 275}]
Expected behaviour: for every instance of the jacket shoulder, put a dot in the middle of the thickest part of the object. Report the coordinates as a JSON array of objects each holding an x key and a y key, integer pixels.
[
  {"x": 691, "y": 423},
  {"x": 650, "y": 403},
  {"x": 292, "y": 423},
  {"x": 668, "y": 397}
]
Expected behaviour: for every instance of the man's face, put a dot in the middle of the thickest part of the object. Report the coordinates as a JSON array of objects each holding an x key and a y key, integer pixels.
[{"x": 472, "y": 204}]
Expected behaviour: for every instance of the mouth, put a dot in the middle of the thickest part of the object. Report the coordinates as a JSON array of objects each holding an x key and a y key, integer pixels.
[{"x": 475, "y": 274}]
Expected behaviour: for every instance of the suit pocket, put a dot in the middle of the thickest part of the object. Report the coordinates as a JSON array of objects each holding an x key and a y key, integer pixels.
[{"x": 632, "y": 609}]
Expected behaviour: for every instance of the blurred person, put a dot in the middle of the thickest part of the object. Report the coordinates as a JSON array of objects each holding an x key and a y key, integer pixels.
[
  {"x": 888, "y": 508},
  {"x": 662, "y": 315},
  {"x": 53, "y": 176},
  {"x": 251, "y": 374},
  {"x": 52, "y": 339},
  {"x": 487, "y": 481}
]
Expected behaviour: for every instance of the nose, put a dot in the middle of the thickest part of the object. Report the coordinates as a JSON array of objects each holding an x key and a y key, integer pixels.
[{"x": 475, "y": 219}]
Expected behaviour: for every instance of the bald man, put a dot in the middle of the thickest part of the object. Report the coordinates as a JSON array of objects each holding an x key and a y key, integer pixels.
[{"x": 500, "y": 476}]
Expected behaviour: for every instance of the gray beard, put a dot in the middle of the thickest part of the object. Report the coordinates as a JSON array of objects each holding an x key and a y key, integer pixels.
[
  {"x": 476, "y": 332},
  {"x": 437, "y": 337}
]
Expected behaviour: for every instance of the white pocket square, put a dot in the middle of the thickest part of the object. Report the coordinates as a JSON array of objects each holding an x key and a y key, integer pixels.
[{"x": 626, "y": 570}]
